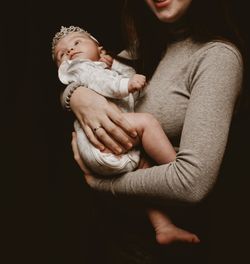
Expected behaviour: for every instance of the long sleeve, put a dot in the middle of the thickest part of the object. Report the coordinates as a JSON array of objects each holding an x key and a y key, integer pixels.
[
  {"x": 127, "y": 71},
  {"x": 108, "y": 83},
  {"x": 123, "y": 69},
  {"x": 214, "y": 85}
]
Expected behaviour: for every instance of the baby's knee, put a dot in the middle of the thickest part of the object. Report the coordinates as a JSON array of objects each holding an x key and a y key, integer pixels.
[
  {"x": 141, "y": 121},
  {"x": 148, "y": 119}
]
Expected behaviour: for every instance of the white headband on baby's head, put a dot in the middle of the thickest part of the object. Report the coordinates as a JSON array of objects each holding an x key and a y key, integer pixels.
[{"x": 64, "y": 31}]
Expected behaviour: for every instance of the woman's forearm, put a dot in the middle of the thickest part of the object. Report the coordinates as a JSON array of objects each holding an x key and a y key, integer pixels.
[
  {"x": 94, "y": 111},
  {"x": 67, "y": 94}
]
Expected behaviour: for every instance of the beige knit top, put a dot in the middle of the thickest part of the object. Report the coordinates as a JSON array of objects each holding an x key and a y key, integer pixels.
[{"x": 193, "y": 94}]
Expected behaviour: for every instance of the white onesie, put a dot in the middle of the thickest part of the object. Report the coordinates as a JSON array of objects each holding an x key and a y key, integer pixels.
[{"x": 113, "y": 84}]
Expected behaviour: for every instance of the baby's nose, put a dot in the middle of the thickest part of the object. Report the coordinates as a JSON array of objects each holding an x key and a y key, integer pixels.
[{"x": 69, "y": 50}]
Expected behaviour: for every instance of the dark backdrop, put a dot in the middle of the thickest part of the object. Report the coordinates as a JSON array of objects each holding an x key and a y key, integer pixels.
[{"x": 53, "y": 223}]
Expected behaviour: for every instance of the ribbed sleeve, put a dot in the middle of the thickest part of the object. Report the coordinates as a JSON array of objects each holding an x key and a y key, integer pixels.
[{"x": 213, "y": 84}]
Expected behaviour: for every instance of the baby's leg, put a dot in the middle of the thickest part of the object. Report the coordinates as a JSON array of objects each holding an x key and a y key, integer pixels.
[
  {"x": 156, "y": 144},
  {"x": 166, "y": 231},
  {"x": 153, "y": 139}
]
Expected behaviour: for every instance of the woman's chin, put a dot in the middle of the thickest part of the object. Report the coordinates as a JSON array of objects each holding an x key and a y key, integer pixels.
[{"x": 167, "y": 17}]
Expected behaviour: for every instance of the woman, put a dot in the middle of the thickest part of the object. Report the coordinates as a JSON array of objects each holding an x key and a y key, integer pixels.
[{"x": 191, "y": 53}]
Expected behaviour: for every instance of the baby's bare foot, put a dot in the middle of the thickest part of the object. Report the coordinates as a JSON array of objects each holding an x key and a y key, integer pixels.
[
  {"x": 170, "y": 233},
  {"x": 166, "y": 231}
]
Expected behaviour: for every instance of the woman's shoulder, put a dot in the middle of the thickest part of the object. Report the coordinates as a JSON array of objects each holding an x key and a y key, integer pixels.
[{"x": 219, "y": 49}]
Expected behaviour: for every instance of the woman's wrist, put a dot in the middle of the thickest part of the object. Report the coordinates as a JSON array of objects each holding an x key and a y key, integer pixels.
[{"x": 67, "y": 93}]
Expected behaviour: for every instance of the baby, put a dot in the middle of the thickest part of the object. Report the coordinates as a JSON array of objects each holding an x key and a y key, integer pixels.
[{"x": 77, "y": 55}]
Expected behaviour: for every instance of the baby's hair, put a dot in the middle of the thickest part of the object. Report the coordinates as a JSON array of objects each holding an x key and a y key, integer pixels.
[{"x": 64, "y": 31}]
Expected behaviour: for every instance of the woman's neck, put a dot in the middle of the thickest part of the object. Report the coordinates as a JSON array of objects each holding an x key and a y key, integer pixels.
[{"x": 178, "y": 30}]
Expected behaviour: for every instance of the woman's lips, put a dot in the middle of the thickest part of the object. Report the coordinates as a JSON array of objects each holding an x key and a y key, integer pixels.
[{"x": 161, "y": 4}]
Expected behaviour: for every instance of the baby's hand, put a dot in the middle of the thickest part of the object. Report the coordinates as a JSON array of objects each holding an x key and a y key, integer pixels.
[
  {"x": 136, "y": 83},
  {"x": 106, "y": 58}
]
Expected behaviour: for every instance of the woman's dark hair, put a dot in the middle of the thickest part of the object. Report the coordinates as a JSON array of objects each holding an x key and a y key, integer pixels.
[{"x": 147, "y": 38}]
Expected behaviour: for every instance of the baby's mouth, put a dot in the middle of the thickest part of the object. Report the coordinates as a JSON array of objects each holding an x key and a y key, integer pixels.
[{"x": 74, "y": 54}]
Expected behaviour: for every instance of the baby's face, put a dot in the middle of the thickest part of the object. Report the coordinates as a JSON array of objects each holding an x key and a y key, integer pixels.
[{"x": 76, "y": 45}]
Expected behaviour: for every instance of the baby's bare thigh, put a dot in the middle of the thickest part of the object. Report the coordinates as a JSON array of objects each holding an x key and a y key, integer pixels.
[{"x": 140, "y": 120}]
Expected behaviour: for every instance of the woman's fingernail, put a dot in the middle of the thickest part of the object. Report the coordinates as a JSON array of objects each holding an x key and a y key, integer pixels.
[
  {"x": 118, "y": 150},
  {"x": 134, "y": 134},
  {"x": 102, "y": 148},
  {"x": 130, "y": 145}
]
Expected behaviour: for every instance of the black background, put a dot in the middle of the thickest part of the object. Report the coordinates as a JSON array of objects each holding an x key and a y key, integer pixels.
[{"x": 52, "y": 223}]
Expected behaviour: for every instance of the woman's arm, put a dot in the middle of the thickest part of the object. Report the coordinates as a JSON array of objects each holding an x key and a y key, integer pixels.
[
  {"x": 215, "y": 86},
  {"x": 93, "y": 110}
]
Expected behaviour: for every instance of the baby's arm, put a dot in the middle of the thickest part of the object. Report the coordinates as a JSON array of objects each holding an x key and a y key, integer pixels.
[
  {"x": 94, "y": 76},
  {"x": 130, "y": 72}
]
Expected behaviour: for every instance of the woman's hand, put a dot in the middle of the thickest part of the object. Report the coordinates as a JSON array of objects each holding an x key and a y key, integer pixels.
[
  {"x": 99, "y": 184},
  {"x": 77, "y": 156},
  {"x": 102, "y": 121}
]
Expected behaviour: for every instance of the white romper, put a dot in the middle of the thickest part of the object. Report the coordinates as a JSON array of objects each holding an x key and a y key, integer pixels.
[{"x": 113, "y": 84}]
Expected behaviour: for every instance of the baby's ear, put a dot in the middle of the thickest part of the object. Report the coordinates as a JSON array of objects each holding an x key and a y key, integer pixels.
[{"x": 102, "y": 51}]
